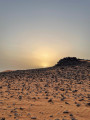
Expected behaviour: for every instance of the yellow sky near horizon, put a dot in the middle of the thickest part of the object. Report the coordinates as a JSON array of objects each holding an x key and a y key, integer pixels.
[{"x": 35, "y": 34}]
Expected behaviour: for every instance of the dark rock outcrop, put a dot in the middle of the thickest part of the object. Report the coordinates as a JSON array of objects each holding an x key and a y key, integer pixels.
[{"x": 69, "y": 61}]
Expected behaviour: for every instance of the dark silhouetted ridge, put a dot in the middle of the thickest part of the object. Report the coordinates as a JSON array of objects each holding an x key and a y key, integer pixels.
[{"x": 69, "y": 61}]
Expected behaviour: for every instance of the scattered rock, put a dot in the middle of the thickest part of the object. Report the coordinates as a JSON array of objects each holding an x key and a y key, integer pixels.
[
  {"x": 77, "y": 104},
  {"x": 2, "y": 119},
  {"x": 33, "y": 118},
  {"x": 87, "y": 104},
  {"x": 74, "y": 91},
  {"x": 21, "y": 108},
  {"x": 57, "y": 119},
  {"x": 66, "y": 103},
  {"x": 66, "y": 111},
  {"x": 50, "y": 100},
  {"x": 20, "y": 97},
  {"x": 51, "y": 115}
]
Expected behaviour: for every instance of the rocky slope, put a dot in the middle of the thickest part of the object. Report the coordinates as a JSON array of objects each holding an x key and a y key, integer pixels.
[{"x": 61, "y": 92}]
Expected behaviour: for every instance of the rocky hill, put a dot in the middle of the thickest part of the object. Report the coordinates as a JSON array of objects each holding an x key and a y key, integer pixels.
[
  {"x": 73, "y": 61},
  {"x": 61, "y": 92}
]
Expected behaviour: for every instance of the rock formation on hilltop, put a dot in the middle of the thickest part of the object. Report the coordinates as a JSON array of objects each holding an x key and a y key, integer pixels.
[{"x": 69, "y": 61}]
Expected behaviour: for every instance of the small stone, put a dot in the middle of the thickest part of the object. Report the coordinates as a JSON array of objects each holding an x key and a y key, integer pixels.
[
  {"x": 66, "y": 103},
  {"x": 51, "y": 115},
  {"x": 73, "y": 119},
  {"x": 57, "y": 119},
  {"x": 74, "y": 91},
  {"x": 50, "y": 100},
  {"x": 66, "y": 111},
  {"x": 28, "y": 114},
  {"x": 21, "y": 108},
  {"x": 20, "y": 97},
  {"x": 2, "y": 119},
  {"x": 34, "y": 98},
  {"x": 33, "y": 117},
  {"x": 81, "y": 99},
  {"x": 87, "y": 104},
  {"x": 46, "y": 97},
  {"x": 77, "y": 104},
  {"x": 62, "y": 89},
  {"x": 71, "y": 114}
]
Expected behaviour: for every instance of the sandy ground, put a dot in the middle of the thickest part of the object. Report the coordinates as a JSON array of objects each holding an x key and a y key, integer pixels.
[{"x": 58, "y": 93}]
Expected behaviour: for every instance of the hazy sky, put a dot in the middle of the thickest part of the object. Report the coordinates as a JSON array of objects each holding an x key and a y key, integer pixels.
[{"x": 37, "y": 33}]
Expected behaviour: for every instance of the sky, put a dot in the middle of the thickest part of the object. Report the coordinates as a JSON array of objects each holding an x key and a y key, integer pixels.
[{"x": 38, "y": 33}]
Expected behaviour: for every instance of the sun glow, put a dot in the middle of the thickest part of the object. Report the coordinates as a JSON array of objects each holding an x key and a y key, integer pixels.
[
  {"x": 44, "y": 56},
  {"x": 45, "y": 65}
]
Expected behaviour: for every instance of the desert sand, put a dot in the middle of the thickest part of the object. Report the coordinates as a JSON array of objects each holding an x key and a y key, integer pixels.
[{"x": 54, "y": 93}]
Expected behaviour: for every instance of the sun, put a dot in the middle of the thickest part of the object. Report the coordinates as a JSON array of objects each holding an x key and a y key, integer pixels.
[
  {"x": 44, "y": 65},
  {"x": 44, "y": 56}
]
